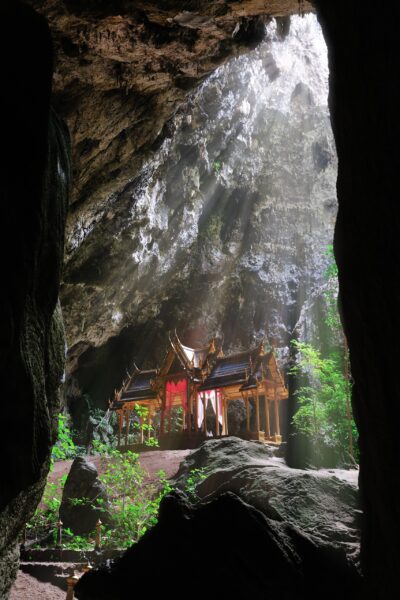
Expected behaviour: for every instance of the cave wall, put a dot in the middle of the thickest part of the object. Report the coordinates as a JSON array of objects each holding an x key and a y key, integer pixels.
[
  {"x": 34, "y": 173},
  {"x": 123, "y": 69},
  {"x": 121, "y": 73},
  {"x": 364, "y": 102},
  {"x": 225, "y": 229},
  {"x": 364, "y": 66}
]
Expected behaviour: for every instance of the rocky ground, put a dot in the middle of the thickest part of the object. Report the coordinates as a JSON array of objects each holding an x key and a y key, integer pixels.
[
  {"x": 27, "y": 586},
  {"x": 307, "y": 511},
  {"x": 268, "y": 528}
]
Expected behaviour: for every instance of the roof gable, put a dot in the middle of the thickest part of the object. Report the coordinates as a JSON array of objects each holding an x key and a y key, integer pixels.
[{"x": 139, "y": 386}]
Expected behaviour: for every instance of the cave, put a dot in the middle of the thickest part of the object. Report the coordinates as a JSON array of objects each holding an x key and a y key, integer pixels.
[{"x": 36, "y": 175}]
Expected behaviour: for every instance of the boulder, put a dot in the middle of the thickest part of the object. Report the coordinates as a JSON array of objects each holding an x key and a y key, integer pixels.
[
  {"x": 84, "y": 499},
  {"x": 262, "y": 529},
  {"x": 247, "y": 555},
  {"x": 321, "y": 503}
]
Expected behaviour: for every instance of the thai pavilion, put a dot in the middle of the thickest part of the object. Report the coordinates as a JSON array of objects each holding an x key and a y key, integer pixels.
[{"x": 200, "y": 383}]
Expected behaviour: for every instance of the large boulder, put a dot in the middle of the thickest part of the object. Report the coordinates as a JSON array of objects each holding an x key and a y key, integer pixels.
[
  {"x": 84, "y": 499},
  {"x": 224, "y": 548},
  {"x": 321, "y": 503},
  {"x": 261, "y": 528}
]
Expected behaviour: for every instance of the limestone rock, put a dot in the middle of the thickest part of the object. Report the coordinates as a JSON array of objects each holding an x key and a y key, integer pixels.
[
  {"x": 34, "y": 195},
  {"x": 84, "y": 499},
  {"x": 321, "y": 503},
  {"x": 224, "y": 231},
  {"x": 122, "y": 71},
  {"x": 248, "y": 554}
]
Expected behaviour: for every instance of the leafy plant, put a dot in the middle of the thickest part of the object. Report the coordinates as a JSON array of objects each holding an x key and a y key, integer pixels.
[
  {"x": 217, "y": 166},
  {"x": 103, "y": 423},
  {"x": 47, "y": 513},
  {"x": 134, "y": 499},
  {"x": 195, "y": 477},
  {"x": 64, "y": 448},
  {"x": 134, "y": 502},
  {"x": 324, "y": 413},
  {"x": 75, "y": 542},
  {"x": 332, "y": 319},
  {"x": 144, "y": 428}
]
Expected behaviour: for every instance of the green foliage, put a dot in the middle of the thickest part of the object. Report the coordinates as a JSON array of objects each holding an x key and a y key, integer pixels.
[
  {"x": 332, "y": 269},
  {"x": 70, "y": 541},
  {"x": 195, "y": 477},
  {"x": 324, "y": 413},
  {"x": 46, "y": 514},
  {"x": 103, "y": 423},
  {"x": 152, "y": 442},
  {"x": 134, "y": 499},
  {"x": 64, "y": 447},
  {"x": 146, "y": 429},
  {"x": 217, "y": 166},
  {"x": 332, "y": 319}
]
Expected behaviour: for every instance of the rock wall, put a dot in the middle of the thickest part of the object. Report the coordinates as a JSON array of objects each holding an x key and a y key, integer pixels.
[
  {"x": 364, "y": 102},
  {"x": 34, "y": 173},
  {"x": 123, "y": 69},
  {"x": 225, "y": 230}
]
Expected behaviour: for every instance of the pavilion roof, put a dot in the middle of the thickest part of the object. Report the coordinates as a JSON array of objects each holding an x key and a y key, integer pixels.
[
  {"x": 139, "y": 386},
  {"x": 233, "y": 369},
  {"x": 247, "y": 370},
  {"x": 184, "y": 358},
  {"x": 243, "y": 371}
]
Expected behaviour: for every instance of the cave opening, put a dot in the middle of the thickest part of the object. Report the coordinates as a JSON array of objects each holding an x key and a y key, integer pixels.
[
  {"x": 378, "y": 421},
  {"x": 225, "y": 232}
]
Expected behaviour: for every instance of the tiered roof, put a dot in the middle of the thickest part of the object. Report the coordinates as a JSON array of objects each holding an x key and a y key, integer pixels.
[
  {"x": 138, "y": 387},
  {"x": 241, "y": 372},
  {"x": 233, "y": 369},
  {"x": 247, "y": 370},
  {"x": 183, "y": 358}
]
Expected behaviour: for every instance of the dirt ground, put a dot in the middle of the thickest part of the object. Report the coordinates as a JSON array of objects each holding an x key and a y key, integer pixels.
[
  {"x": 27, "y": 587},
  {"x": 152, "y": 461}
]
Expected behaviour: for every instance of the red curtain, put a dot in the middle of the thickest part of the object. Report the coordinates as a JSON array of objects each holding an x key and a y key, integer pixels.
[{"x": 176, "y": 390}]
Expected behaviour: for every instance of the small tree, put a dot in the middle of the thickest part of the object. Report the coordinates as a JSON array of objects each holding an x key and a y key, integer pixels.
[
  {"x": 64, "y": 447},
  {"x": 144, "y": 426},
  {"x": 333, "y": 322},
  {"x": 324, "y": 414}
]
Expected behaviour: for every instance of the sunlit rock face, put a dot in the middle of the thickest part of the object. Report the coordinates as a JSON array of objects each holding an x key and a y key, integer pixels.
[
  {"x": 123, "y": 67},
  {"x": 226, "y": 228}
]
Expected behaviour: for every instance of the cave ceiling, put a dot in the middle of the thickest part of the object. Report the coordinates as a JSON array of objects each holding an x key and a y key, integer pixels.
[{"x": 122, "y": 70}]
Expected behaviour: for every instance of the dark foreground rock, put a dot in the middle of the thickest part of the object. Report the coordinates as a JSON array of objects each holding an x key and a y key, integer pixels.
[
  {"x": 260, "y": 529},
  {"x": 231, "y": 544},
  {"x": 34, "y": 174},
  {"x": 84, "y": 499}
]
